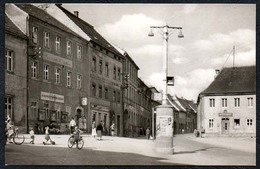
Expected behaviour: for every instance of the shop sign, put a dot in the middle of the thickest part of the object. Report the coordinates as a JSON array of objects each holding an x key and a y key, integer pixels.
[
  {"x": 100, "y": 108},
  {"x": 52, "y": 97},
  {"x": 84, "y": 101},
  {"x": 225, "y": 114},
  {"x": 56, "y": 59}
]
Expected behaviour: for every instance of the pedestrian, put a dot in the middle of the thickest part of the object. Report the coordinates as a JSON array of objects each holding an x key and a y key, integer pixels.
[
  {"x": 72, "y": 125},
  {"x": 99, "y": 131},
  {"x": 85, "y": 123},
  {"x": 147, "y": 133},
  {"x": 94, "y": 133},
  {"x": 47, "y": 137},
  {"x": 32, "y": 136},
  {"x": 81, "y": 126},
  {"x": 112, "y": 128}
]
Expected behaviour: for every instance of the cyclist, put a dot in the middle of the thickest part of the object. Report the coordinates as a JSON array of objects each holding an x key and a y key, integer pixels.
[
  {"x": 10, "y": 129},
  {"x": 76, "y": 134}
]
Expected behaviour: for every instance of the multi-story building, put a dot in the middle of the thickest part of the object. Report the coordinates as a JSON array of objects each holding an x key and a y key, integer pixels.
[
  {"x": 228, "y": 105},
  {"x": 57, "y": 74},
  {"x": 15, "y": 73},
  {"x": 105, "y": 100},
  {"x": 185, "y": 114}
]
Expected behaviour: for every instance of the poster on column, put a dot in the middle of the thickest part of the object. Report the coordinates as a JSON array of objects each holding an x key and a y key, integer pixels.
[{"x": 164, "y": 126}]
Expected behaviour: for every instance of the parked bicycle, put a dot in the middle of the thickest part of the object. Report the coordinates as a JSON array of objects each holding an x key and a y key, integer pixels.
[
  {"x": 17, "y": 137},
  {"x": 76, "y": 139}
]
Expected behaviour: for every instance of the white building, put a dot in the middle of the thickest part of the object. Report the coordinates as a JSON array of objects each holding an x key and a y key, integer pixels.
[{"x": 228, "y": 105}]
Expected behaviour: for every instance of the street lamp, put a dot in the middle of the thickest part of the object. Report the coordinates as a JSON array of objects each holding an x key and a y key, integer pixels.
[
  {"x": 165, "y": 56},
  {"x": 164, "y": 112}
]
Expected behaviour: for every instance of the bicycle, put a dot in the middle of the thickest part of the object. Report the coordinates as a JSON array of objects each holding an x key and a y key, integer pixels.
[
  {"x": 17, "y": 138},
  {"x": 79, "y": 142}
]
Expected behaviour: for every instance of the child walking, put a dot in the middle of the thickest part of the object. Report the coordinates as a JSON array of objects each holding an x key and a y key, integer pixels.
[{"x": 32, "y": 136}]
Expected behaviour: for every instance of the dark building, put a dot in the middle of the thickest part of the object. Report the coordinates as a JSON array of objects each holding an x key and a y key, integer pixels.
[
  {"x": 105, "y": 99},
  {"x": 15, "y": 74},
  {"x": 57, "y": 74}
]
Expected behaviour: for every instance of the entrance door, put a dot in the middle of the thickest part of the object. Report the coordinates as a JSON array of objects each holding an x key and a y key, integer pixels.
[
  {"x": 225, "y": 125},
  {"x": 118, "y": 125}
]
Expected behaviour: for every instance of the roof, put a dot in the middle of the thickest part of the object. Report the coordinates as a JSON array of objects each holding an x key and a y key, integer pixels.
[
  {"x": 187, "y": 104},
  {"x": 12, "y": 28},
  {"x": 233, "y": 80},
  {"x": 90, "y": 31},
  {"x": 42, "y": 15}
]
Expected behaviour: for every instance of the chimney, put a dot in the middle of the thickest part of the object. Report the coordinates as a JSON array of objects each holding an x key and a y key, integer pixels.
[
  {"x": 76, "y": 13},
  {"x": 217, "y": 72}
]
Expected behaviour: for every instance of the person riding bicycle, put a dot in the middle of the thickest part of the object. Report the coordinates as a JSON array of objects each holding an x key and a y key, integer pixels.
[
  {"x": 76, "y": 134},
  {"x": 9, "y": 129}
]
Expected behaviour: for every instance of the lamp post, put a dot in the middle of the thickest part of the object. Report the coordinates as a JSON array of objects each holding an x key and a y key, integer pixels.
[{"x": 164, "y": 112}]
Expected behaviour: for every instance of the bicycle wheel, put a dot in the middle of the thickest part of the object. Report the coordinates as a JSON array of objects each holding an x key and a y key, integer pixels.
[
  {"x": 71, "y": 142},
  {"x": 80, "y": 144},
  {"x": 18, "y": 139}
]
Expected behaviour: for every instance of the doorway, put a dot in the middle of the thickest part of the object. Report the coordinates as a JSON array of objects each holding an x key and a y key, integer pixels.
[{"x": 225, "y": 125}]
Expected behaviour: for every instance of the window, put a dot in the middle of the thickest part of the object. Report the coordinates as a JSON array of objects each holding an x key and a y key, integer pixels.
[
  {"x": 9, "y": 60},
  {"x": 118, "y": 97},
  {"x": 212, "y": 102},
  {"x": 34, "y": 69},
  {"x": 118, "y": 73},
  {"x": 35, "y": 35},
  {"x": 100, "y": 91},
  {"x": 46, "y": 71},
  {"x": 69, "y": 79},
  {"x": 106, "y": 70},
  {"x": 93, "y": 89},
  {"x": 57, "y": 75},
  {"x": 236, "y": 123},
  {"x": 47, "y": 39},
  {"x": 114, "y": 96},
  {"x": 211, "y": 121},
  {"x": 79, "y": 79},
  {"x": 34, "y": 109},
  {"x": 9, "y": 107},
  {"x": 237, "y": 102},
  {"x": 106, "y": 93},
  {"x": 57, "y": 44},
  {"x": 100, "y": 66},
  {"x": 94, "y": 64},
  {"x": 249, "y": 123},
  {"x": 114, "y": 73},
  {"x": 69, "y": 48},
  {"x": 79, "y": 52},
  {"x": 224, "y": 102},
  {"x": 250, "y": 102}
]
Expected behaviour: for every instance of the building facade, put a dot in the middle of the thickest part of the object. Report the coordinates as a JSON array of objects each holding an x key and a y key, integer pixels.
[
  {"x": 228, "y": 105},
  {"x": 105, "y": 72},
  {"x": 15, "y": 74},
  {"x": 57, "y": 74}
]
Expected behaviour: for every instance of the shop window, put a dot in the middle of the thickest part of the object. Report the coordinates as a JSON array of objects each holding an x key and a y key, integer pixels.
[{"x": 236, "y": 123}]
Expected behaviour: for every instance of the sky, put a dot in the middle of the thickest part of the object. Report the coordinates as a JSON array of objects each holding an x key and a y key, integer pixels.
[{"x": 210, "y": 33}]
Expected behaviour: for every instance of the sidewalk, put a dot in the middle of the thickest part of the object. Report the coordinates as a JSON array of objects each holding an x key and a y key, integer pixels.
[{"x": 246, "y": 144}]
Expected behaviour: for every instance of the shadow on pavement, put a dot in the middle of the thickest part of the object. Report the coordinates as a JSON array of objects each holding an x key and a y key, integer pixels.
[
  {"x": 195, "y": 151},
  {"x": 18, "y": 155}
]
